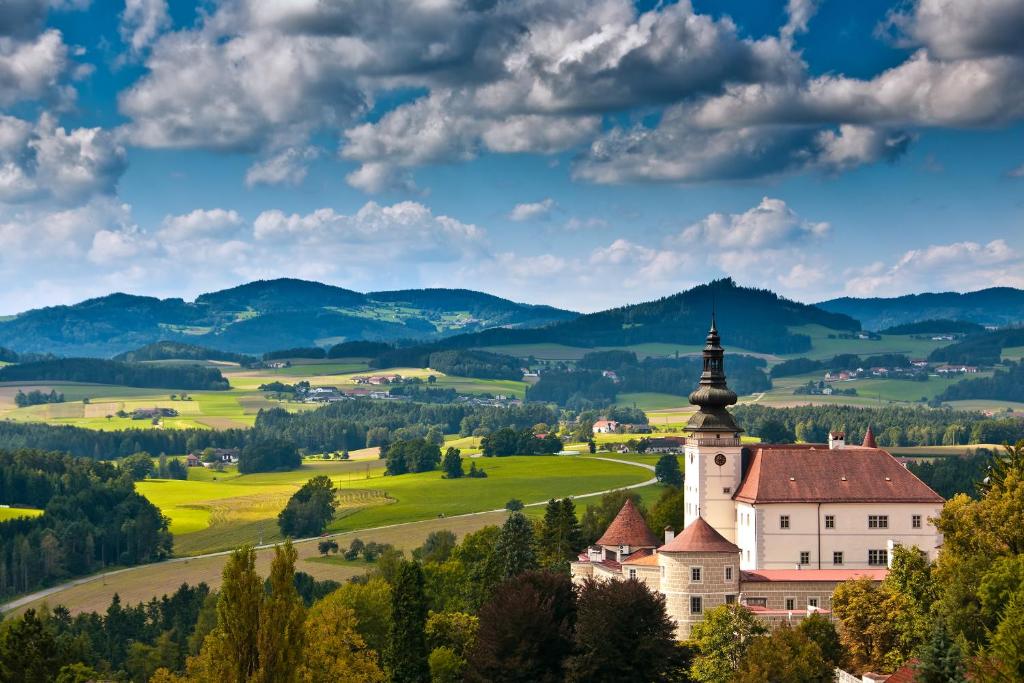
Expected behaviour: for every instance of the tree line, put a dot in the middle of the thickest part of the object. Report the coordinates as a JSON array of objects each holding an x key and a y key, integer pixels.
[
  {"x": 1003, "y": 385},
  {"x": 985, "y": 348},
  {"x": 101, "y": 371},
  {"x": 37, "y": 397},
  {"x": 841, "y": 361},
  {"x": 92, "y": 518}
]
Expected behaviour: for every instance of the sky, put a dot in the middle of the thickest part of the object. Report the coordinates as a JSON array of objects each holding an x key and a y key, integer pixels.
[{"x": 578, "y": 153}]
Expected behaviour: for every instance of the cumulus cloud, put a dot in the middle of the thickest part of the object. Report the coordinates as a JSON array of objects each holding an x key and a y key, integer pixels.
[
  {"x": 143, "y": 21},
  {"x": 532, "y": 210},
  {"x": 770, "y": 224},
  {"x": 199, "y": 223},
  {"x": 287, "y": 167},
  {"x": 45, "y": 161},
  {"x": 32, "y": 69}
]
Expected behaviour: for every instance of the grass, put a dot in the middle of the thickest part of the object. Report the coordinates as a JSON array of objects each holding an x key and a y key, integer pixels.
[
  {"x": 651, "y": 401},
  {"x": 822, "y": 347},
  {"x": 219, "y": 510},
  {"x": 7, "y": 513},
  {"x": 1013, "y": 353}
]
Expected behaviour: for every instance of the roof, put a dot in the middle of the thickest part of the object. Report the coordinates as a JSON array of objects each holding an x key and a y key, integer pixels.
[
  {"x": 817, "y": 474},
  {"x": 628, "y": 528},
  {"x": 765, "y": 575},
  {"x": 905, "y": 674},
  {"x": 699, "y": 537},
  {"x": 869, "y": 439},
  {"x": 644, "y": 556}
]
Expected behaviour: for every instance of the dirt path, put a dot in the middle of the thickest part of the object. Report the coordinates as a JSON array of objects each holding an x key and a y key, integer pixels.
[{"x": 137, "y": 584}]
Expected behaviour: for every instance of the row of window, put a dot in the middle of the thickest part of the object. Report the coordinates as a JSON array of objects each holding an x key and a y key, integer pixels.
[
  {"x": 697, "y": 603},
  {"x": 876, "y": 558},
  {"x": 874, "y": 521},
  {"x": 697, "y": 574}
]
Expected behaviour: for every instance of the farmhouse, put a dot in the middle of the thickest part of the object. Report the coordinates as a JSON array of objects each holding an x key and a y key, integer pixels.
[
  {"x": 666, "y": 444},
  {"x": 772, "y": 527},
  {"x": 605, "y": 427}
]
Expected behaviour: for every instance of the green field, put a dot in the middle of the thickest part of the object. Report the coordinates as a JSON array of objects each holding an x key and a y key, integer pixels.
[
  {"x": 650, "y": 401},
  {"x": 1015, "y": 353},
  {"x": 822, "y": 347},
  {"x": 215, "y": 511},
  {"x": 7, "y": 513}
]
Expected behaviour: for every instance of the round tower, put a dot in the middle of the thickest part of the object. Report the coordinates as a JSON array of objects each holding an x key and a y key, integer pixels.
[{"x": 700, "y": 570}]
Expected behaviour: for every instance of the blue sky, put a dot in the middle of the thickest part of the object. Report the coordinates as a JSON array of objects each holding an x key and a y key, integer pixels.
[{"x": 581, "y": 153}]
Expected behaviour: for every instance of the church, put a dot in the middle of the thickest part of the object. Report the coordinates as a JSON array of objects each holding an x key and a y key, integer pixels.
[{"x": 773, "y": 527}]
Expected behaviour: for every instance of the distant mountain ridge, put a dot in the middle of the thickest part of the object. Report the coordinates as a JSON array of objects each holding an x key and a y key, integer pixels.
[
  {"x": 749, "y": 318},
  {"x": 264, "y": 315},
  {"x": 993, "y": 306}
]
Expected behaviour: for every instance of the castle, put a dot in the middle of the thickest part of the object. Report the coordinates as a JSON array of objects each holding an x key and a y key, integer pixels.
[{"x": 771, "y": 527}]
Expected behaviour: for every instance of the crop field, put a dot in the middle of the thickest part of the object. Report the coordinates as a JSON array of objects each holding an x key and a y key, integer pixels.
[
  {"x": 218, "y": 510},
  {"x": 7, "y": 513},
  {"x": 822, "y": 347}
]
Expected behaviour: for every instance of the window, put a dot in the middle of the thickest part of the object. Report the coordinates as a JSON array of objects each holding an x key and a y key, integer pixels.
[
  {"x": 730, "y": 599},
  {"x": 727, "y": 489},
  {"x": 805, "y": 557},
  {"x": 695, "y": 605},
  {"x": 757, "y": 602},
  {"x": 878, "y": 521},
  {"x": 915, "y": 521},
  {"x": 837, "y": 557},
  {"x": 632, "y": 573},
  {"x": 790, "y": 603},
  {"x": 878, "y": 558},
  {"x": 783, "y": 521},
  {"x": 728, "y": 573},
  {"x": 812, "y": 602},
  {"x": 830, "y": 521},
  {"x": 695, "y": 574}
]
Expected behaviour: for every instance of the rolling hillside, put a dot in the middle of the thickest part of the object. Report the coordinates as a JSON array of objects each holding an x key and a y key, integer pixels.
[
  {"x": 993, "y": 306},
  {"x": 264, "y": 315}
]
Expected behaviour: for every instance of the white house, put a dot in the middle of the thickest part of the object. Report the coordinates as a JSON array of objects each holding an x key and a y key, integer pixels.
[{"x": 606, "y": 427}]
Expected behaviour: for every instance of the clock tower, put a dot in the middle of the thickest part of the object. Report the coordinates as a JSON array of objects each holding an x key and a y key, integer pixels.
[{"x": 713, "y": 456}]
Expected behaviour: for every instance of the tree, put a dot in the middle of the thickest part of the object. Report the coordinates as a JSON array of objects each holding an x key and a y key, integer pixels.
[
  {"x": 642, "y": 644},
  {"x": 406, "y": 654},
  {"x": 412, "y": 455},
  {"x": 722, "y": 640},
  {"x": 452, "y": 464},
  {"x": 28, "y": 651},
  {"x": 941, "y": 660},
  {"x": 437, "y": 547},
  {"x": 269, "y": 455},
  {"x": 773, "y": 431},
  {"x": 235, "y": 641},
  {"x": 309, "y": 509},
  {"x": 667, "y": 471},
  {"x": 1004, "y": 657},
  {"x": 785, "y": 656},
  {"x": 819, "y": 630},
  {"x": 514, "y": 505},
  {"x": 669, "y": 511},
  {"x": 371, "y": 604},
  {"x": 526, "y": 630},
  {"x": 872, "y": 620},
  {"x": 325, "y": 547},
  {"x": 138, "y": 466},
  {"x": 513, "y": 551},
  {"x": 334, "y": 650},
  {"x": 280, "y": 636},
  {"x": 560, "y": 539}
]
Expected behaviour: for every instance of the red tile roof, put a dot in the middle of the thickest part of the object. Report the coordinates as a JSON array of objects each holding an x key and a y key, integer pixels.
[
  {"x": 801, "y": 474},
  {"x": 869, "y": 439},
  {"x": 699, "y": 537},
  {"x": 628, "y": 528},
  {"x": 906, "y": 674},
  {"x": 812, "y": 574},
  {"x": 644, "y": 556}
]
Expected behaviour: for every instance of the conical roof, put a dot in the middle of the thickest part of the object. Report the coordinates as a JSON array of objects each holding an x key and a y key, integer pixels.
[
  {"x": 713, "y": 393},
  {"x": 628, "y": 528},
  {"x": 869, "y": 439},
  {"x": 699, "y": 537}
]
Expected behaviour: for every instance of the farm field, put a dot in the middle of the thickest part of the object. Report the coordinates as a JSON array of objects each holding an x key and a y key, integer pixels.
[
  {"x": 215, "y": 511},
  {"x": 7, "y": 513},
  {"x": 822, "y": 347},
  {"x": 1015, "y": 353}
]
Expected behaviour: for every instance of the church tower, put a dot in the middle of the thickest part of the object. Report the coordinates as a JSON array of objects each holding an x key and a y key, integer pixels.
[{"x": 713, "y": 453}]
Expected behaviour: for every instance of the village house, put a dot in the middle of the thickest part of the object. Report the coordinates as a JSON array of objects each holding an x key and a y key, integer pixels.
[
  {"x": 606, "y": 427},
  {"x": 665, "y": 444},
  {"x": 772, "y": 527}
]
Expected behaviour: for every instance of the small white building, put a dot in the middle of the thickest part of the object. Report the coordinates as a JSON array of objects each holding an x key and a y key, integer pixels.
[{"x": 606, "y": 427}]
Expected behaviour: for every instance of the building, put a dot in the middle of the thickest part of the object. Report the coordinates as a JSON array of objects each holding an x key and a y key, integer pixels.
[
  {"x": 772, "y": 527},
  {"x": 606, "y": 427}
]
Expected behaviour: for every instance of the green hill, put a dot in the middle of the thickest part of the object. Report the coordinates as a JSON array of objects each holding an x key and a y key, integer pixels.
[
  {"x": 994, "y": 306},
  {"x": 264, "y": 315}
]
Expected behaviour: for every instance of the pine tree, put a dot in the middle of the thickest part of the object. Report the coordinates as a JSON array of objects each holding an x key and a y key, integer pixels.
[
  {"x": 513, "y": 551},
  {"x": 282, "y": 614},
  {"x": 941, "y": 659},
  {"x": 406, "y": 654}
]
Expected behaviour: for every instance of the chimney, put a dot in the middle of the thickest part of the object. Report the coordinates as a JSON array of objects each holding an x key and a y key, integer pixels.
[
  {"x": 836, "y": 440},
  {"x": 670, "y": 534}
]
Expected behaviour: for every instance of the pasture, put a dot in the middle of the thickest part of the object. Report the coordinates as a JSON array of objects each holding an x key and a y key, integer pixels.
[{"x": 215, "y": 511}]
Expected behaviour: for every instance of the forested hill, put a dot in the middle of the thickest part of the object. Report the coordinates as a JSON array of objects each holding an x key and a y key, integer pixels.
[
  {"x": 994, "y": 306},
  {"x": 753, "y": 319},
  {"x": 264, "y": 315}
]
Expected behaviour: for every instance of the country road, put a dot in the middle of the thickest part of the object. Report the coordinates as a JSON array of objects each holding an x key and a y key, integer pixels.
[{"x": 134, "y": 582}]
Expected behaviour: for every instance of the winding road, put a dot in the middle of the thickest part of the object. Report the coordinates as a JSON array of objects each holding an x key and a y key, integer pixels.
[{"x": 115, "y": 577}]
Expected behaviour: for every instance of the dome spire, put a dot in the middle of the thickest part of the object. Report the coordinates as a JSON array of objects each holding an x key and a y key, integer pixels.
[{"x": 713, "y": 394}]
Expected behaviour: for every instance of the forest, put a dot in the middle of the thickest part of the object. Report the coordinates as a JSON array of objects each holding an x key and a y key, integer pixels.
[
  {"x": 92, "y": 518},
  {"x": 172, "y": 350},
  {"x": 1003, "y": 385},
  {"x": 100, "y": 371},
  {"x": 980, "y": 349},
  {"x": 842, "y": 361}
]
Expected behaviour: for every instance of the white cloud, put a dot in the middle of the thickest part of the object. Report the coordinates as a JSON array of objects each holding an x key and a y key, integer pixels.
[
  {"x": 143, "y": 21},
  {"x": 287, "y": 167},
  {"x": 200, "y": 223},
  {"x": 1017, "y": 172},
  {"x": 31, "y": 69},
  {"x": 532, "y": 210},
  {"x": 771, "y": 224}
]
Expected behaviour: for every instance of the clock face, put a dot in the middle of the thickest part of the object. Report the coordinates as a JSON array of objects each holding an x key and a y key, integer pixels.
[{"x": 720, "y": 459}]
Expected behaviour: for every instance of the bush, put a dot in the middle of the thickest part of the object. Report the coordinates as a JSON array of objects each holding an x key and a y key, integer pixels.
[{"x": 514, "y": 505}]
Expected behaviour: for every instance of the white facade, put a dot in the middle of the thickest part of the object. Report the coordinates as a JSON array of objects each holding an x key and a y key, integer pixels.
[
  {"x": 831, "y": 535},
  {"x": 713, "y": 473}
]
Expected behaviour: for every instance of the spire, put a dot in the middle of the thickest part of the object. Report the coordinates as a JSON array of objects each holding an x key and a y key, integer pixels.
[
  {"x": 628, "y": 528},
  {"x": 713, "y": 394},
  {"x": 869, "y": 439}
]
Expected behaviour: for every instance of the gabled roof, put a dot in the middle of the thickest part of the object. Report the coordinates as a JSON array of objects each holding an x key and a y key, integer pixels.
[
  {"x": 699, "y": 537},
  {"x": 628, "y": 528},
  {"x": 817, "y": 474}
]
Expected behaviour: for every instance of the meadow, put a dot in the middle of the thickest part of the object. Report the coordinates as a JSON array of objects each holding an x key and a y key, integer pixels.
[{"x": 215, "y": 511}]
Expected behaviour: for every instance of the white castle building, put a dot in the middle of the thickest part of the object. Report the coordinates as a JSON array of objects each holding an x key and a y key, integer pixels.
[{"x": 772, "y": 527}]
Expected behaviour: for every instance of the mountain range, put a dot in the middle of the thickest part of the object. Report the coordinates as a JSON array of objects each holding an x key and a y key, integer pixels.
[
  {"x": 997, "y": 306},
  {"x": 275, "y": 314}
]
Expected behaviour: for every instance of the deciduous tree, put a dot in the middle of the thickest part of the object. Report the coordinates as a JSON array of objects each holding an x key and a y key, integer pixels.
[{"x": 406, "y": 654}]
